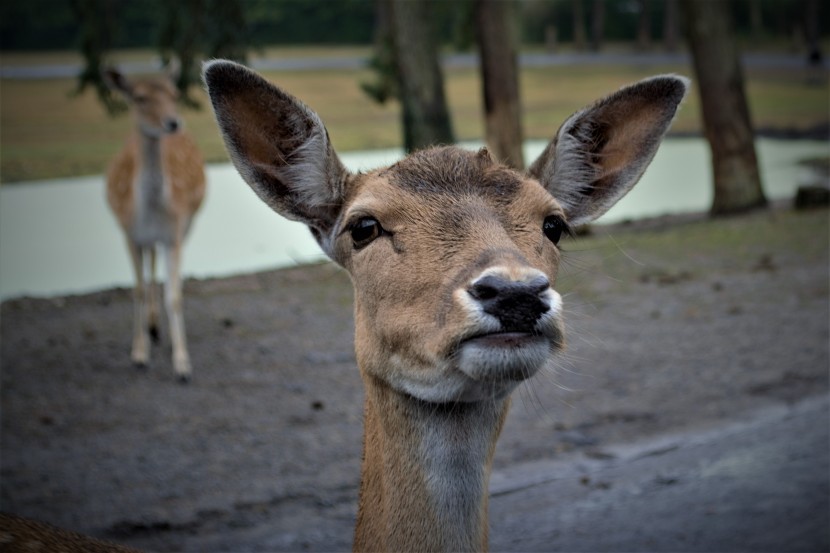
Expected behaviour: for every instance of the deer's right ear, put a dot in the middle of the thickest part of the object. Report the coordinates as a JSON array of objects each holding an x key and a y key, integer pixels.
[
  {"x": 279, "y": 146},
  {"x": 116, "y": 80}
]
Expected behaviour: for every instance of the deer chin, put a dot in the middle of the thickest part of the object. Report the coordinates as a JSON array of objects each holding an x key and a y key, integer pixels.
[
  {"x": 484, "y": 367},
  {"x": 504, "y": 356}
]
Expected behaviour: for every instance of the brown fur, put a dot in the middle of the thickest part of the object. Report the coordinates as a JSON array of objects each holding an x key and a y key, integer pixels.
[
  {"x": 450, "y": 230},
  {"x": 182, "y": 162}
]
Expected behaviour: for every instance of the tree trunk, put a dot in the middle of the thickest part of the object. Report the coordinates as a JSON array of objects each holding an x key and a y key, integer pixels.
[
  {"x": 426, "y": 120},
  {"x": 500, "y": 79},
  {"x": 670, "y": 26},
  {"x": 812, "y": 33},
  {"x": 597, "y": 24},
  {"x": 726, "y": 119},
  {"x": 578, "y": 25},
  {"x": 756, "y": 21},
  {"x": 644, "y": 25}
]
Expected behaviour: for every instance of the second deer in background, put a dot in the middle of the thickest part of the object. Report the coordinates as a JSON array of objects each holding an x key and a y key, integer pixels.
[{"x": 155, "y": 185}]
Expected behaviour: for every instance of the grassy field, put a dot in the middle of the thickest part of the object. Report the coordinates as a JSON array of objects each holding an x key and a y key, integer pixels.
[{"x": 46, "y": 132}]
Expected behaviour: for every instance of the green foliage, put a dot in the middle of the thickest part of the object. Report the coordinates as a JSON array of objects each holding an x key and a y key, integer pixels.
[
  {"x": 311, "y": 21},
  {"x": 53, "y": 25},
  {"x": 95, "y": 38},
  {"x": 187, "y": 30},
  {"x": 384, "y": 85}
]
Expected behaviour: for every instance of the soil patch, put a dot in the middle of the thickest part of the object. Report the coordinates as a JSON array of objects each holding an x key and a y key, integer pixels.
[{"x": 674, "y": 324}]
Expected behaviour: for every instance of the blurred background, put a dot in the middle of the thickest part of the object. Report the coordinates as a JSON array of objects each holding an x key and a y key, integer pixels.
[
  {"x": 390, "y": 76},
  {"x": 690, "y": 410}
]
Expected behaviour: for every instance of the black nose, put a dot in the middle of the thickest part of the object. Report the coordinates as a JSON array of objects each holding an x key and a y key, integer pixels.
[
  {"x": 517, "y": 305},
  {"x": 171, "y": 125}
]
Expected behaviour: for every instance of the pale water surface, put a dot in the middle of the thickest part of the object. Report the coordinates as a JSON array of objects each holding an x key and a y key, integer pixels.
[{"x": 58, "y": 237}]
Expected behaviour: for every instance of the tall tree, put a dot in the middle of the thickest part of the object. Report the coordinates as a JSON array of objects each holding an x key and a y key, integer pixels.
[
  {"x": 812, "y": 32},
  {"x": 384, "y": 82},
  {"x": 578, "y": 25},
  {"x": 496, "y": 36},
  {"x": 182, "y": 28},
  {"x": 644, "y": 24},
  {"x": 426, "y": 119},
  {"x": 597, "y": 24},
  {"x": 670, "y": 25},
  {"x": 756, "y": 20},
  {"x": 726, "y": 118},
  {"x": 188, "y": 30},
  {"x": 95, "y": 34}
]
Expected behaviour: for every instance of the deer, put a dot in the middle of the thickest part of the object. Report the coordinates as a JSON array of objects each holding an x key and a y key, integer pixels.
[
  {"x": 155, "y": 186},
  {"x": 453, "y": 258},
  {"x": 18, "y": 534}
]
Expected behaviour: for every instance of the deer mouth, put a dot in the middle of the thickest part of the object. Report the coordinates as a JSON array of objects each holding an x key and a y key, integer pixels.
[
  {"x": 504, "y": 356},
  {"x": 508, "y": 340}
]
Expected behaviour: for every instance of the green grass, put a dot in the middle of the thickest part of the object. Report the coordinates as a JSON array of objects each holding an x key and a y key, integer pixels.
[{"x": 47, "y": 133}]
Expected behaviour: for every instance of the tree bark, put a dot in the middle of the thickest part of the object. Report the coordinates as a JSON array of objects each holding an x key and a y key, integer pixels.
[
  {"x": 726, "y": 120},
  {"x": 500, "y": 80},
  {"x": 578, "y": 25},
  {"x": 426, "y": 119},
  {"x": 644, "y": 25},
  {"x": 756, "y": 21},
  {"x": 670, "y": 26},
  {"x": 812, "y": 33},
  {"x": 597, "y": 24}
]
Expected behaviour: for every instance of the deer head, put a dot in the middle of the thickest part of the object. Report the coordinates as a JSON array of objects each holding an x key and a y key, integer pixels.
[
  {"x": 153, "y": 99},
  {"x": 453, "y": 257}
]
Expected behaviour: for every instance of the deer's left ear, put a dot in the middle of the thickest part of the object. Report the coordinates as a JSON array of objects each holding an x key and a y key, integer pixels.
[
  {"x": 601, "y": 152},
  {"x": 116, "y": 80},
  {"x": 173, "y": 69}
]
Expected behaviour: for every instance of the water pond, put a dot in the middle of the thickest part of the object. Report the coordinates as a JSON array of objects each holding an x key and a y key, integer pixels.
[{"x": 58, "y": 237}]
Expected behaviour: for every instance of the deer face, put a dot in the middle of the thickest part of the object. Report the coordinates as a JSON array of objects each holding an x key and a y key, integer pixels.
[
  {"x": 452, "y": 270},
  {"x": 452, "y": 255},
  {"x": 155, "y": 107},
  {"x": 153, "y": 100}
]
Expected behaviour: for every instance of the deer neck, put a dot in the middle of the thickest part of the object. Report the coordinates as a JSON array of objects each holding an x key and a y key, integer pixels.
[
  {"x": 425, "y": 473},
  {"x": 151, "y": 223},
  {"x": 150, "y": 173}
]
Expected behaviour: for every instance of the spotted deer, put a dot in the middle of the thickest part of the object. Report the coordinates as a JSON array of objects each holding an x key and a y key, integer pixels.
[
  {"x": 453, "y": 257},
  {"x": 155, "y": 185}
]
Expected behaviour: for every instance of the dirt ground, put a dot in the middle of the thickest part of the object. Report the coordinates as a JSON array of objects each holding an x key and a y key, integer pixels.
[{"x": 674, "y": 325}]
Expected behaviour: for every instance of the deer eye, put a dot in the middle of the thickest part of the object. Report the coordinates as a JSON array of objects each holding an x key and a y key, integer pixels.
[
  {"x": 364, "y": 231},
  {"x": 553, "y": 227}
]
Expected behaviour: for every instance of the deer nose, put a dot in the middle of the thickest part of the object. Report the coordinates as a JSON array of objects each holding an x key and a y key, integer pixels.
[
  {"x": 516, "y": 304},
  {"x": 171, "y": 125}
]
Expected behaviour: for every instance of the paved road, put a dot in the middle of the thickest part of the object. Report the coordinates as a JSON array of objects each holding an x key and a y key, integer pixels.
[{"x": 782, "y": 61}]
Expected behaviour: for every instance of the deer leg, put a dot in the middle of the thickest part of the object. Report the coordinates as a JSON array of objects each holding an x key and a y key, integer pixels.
[
  {"x": 140, "y": 352},
  {"x": 152, "y": 300},
  {"x": 173, "y": 304}
]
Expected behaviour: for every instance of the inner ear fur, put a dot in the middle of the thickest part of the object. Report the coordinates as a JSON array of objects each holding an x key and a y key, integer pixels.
[
  {"x": 116, "y": 80},
  {"x": 601, "y": 152},
  {"x": 279, "y": 146}
]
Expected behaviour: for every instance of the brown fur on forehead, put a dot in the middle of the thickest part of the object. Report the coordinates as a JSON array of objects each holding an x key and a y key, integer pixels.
[
  {"x": 151, "y": 86},
  {"x": 453, "y": 171}
]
